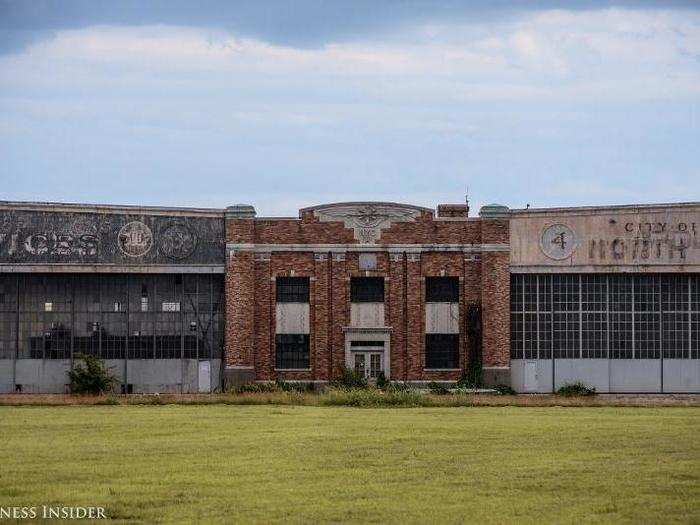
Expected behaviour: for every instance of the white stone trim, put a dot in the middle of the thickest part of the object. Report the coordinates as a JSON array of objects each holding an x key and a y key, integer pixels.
[
  {"x": 391, "y": 248},
  {"x": 292, "y": 370}
]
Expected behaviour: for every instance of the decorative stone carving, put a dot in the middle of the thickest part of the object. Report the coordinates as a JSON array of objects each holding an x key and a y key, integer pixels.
[{"x": 367, "y": 219}]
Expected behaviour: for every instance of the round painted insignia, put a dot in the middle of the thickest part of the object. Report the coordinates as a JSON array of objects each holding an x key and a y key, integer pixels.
[
  {"x": 177, "y": 241},
  {"x": 558, "y": 241},
  {"x": 135, "y": 239}
]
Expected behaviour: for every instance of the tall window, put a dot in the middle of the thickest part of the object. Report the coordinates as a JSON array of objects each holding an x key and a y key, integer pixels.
[
  {"x": 441, "y": 350},
  {"x": 442, "y": 289},
  {"x": 367, "y": 290},
  {"x": 292, "y": 289}
]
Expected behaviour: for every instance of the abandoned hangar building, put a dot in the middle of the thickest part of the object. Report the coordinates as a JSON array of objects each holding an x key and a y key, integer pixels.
[{"x": 195, "y": 300}]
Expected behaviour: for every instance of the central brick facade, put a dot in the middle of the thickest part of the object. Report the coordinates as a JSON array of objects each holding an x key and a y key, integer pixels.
[{"x": 332, "y": 244}]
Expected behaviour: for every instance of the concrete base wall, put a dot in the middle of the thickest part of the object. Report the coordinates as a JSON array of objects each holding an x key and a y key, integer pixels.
[
  {"x": 613, "y": 375},
  {"x": 681, "y": 375},
  {"x": 496, "y": 376},
  {"x": 145, "y": 375},
  {"x": 235, "y": 377}
]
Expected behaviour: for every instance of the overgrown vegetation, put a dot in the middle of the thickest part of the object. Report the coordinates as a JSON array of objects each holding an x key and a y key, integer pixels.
[
  {"x": 349, "y": 378},
  {"x": 505, "y": 390},
  {"x": 472, "y": 376},
  {"x": 438, "y": 388},
  {"x": 577, "y": 389},
  {"x": 90, "y": 376}
]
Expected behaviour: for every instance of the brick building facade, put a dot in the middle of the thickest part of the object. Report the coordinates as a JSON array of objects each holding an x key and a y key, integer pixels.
[{"x": 378, "y": 287}]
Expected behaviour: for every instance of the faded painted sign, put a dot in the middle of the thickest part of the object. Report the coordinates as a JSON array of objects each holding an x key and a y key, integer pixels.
[
  {"x": 49, "y": 237},
  {"x": 607, "y": 237}
]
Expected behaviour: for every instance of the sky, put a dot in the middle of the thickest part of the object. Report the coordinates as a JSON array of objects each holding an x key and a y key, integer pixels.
[{"x": 290, "y": 103}]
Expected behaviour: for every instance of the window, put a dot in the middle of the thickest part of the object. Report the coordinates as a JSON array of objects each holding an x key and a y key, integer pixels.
[
  {"x": 367, "y": 343},
  {"x": 617, "y": 316},
  {"x": 442, "y": 350},
  {"x": 442, "y": 289},
  {"x": 292, "y": 351},
  {"x": 292, "y": 289},
  {"x": 367, "y": 290},
  {"x": 48, "y": 307}
]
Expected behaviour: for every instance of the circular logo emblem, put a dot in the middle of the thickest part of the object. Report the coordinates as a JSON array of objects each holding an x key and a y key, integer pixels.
[
  {"x": 558, "y": 241},
  {"x": 177, "y": 241},
  {"x": 135, "y": 239}
]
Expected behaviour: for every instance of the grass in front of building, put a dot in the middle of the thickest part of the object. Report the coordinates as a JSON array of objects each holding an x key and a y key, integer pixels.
[{"x": 268, "y": 464}]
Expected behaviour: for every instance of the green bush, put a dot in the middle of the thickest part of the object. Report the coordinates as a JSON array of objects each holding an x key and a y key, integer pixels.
[
  {"x": 504, "y": 390},
  {"x": 438, "y": 388},
  {"x": 577, "y": 389},
  {"x": 382, "y": 381},
  {"x": 90, "y": 377},
  {"x": 472, "y": 376},
  {"x": 350, "y": 379}
]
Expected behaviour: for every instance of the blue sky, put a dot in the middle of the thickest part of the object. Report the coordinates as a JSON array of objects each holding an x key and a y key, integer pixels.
[{"x": 292, "y": 103}]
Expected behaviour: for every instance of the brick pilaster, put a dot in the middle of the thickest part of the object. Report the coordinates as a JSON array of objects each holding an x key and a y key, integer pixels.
[{"x": 415, "y": 317}]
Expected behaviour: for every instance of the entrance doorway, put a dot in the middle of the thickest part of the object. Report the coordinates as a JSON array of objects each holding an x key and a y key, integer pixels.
[{"x": 369, "y": 364}]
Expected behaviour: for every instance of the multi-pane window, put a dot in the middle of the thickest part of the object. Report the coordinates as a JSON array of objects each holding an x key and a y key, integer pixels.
[
  {"x": 442, "y": 289},
  {"x": 367, "y": 289},
  {"x": 441, "y": 351},
  {"x": 102, "y": 315},
  {"x": 292, "y": 289},
  {"x": 292, "y": 351},
  {"x": 621, "y": 316}
]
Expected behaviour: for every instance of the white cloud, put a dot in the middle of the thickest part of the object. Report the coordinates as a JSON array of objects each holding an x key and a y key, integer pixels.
[{"x": 550, "y": 54}]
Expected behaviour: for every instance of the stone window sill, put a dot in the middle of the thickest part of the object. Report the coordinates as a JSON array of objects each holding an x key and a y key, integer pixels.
[{"x": 442, "y": 370}]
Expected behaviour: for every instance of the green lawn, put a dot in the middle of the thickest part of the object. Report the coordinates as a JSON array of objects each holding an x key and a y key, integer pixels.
[{"x": 439, "y": 465}]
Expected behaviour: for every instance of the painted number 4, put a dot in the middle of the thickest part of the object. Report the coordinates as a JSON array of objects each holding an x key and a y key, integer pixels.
[{"x": 560, "y": 240}]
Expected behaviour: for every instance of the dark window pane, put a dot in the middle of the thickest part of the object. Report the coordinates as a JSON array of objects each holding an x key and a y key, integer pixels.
[
  {"x": 442, "y": 289},
  {"x": 292, "y": 289},
  {"x": 442, "y": 350},
  {"x": 367, "y": 290},
  {"x": 292, "y": 351}
]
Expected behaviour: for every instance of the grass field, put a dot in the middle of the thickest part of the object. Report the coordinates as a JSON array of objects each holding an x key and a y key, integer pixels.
[{"x": 267, "y": 464}]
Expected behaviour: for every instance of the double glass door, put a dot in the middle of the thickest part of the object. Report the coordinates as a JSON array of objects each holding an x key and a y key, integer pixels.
[{"x": 368, "y": 364}]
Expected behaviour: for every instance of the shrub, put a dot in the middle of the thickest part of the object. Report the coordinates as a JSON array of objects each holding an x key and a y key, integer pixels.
[
  {"x": 504, "y": 390},
  {"x": 382, "y": 381},
  {"x": 90, "y": 377},
  {"x": 350, "y": 379},
  {"x": 438, "y": 388},
  {"x": 576, "y": 389},
  {"x": 472, "y": 376}
]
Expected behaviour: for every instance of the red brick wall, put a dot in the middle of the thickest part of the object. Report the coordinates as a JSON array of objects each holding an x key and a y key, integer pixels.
[{"x": 250, "y": 291}]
